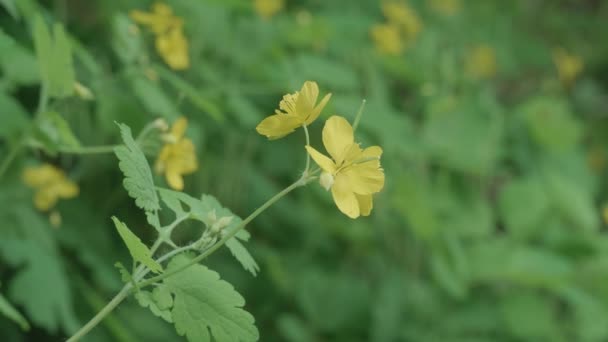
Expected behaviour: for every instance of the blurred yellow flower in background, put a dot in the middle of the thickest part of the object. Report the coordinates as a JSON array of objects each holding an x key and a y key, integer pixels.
[
  {"x": 387, "y": 39},
  {"x": 171, "y": 43},
  {"x": 404, "y": 17},
  {"x": 353, "y": 174},
  {"x": 568, "y": 66},
  {"x": 481, "y": 62},
  {"x": 400, "y": 30},
  {"x": 445, "y": 7},
  {"x": 50, "y": 184},
  {"x": 268, "y": 8},
  {"x": 295, "y": 110},
  {"x": 177, "y": 157}
]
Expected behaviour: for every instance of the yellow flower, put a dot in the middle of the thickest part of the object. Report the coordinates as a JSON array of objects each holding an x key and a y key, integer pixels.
[
  {"x": 297, "y": 109},
  {"x": 173, "y": 48},
  {"x": 568, "y": 66},
  {"x": 177, "y": 157},
  {"x": 387, "y": 39},
  {"x": 50, "y": 184},
  {"x": 481, "y": 62},
  {"x": 158, "y": 21},
  {"x": 446, "y": 7},
  {"x": 268, "y": 8},
  {"x": 404, "y": 17},
  {"x": 168, "y": 28},
  {"x": 353, "y": 174}
]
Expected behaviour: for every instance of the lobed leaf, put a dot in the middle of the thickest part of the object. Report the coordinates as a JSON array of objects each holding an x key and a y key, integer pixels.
[
  {"x": 138, "y": 176},
  {"x": 207, "y": 308}
]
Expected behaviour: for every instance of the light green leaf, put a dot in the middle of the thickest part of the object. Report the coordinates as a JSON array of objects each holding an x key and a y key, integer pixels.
[
  {"x": 125, "y": 275},
  {"x": 11, "y": 313},
  {"x": 16, "y": 121},
  {"x": 138, "y": 250},
  {"x": 242, "y": 255},
  {"x": 54, "y": 58},
  {"x": 153, "y": 97},
  {"x": 206, "y": 306},
  {"x": 523, "y": 204},
  {"x": 159, "y": 301},
  {"x": 50, "y": 307},
  {"x": 138, "y": 176},
  {"x": 54, "y": 132}
]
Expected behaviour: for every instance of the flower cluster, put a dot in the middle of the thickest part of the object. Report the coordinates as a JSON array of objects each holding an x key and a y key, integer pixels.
[
  {"x": 353, "y": 174},
  {"x": 50, "y": 184},
  {"x": 171, "y": 43},
  {"x": 177, "y": 157},
  {"x": 400, "y": 30}
]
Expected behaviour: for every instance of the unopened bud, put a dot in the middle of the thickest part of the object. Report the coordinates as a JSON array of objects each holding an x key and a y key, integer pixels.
[
  {"x": 161, "y": 124},
  {"x": 83, "y": 92},
  {"x": 326, "y": 180}
]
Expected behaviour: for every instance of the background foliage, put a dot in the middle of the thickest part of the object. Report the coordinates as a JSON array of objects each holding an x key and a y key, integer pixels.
[{"x": 489, "y": 227}]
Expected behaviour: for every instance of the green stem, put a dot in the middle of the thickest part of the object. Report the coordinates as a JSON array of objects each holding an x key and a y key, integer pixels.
[
  {"x": 300, "y": 182},
  {"x": 124, "y": 292},
  {"x": 359, "y": 114},
  {"x": 43, "y": 101},
  {"x": 307, "y": 144},
  {"x": 88, "y": 149},
  {"x": 141, "y": 272}
]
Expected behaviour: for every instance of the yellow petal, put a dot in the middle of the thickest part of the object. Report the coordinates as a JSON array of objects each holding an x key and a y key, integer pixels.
[
  {"x": 66, "y": 189},
  {"x": 278, "y": 125},
  {"x": 366, "y": 204},
  {"x": 337, "y": 137},
  {"x": 163, "y": 157},
  {"x": 44, "y": 200},
  {"x": 324, "y": 162},
  {"x": 41, "y": 175},
  {"x": 306, "y": 99},
  {"x": 345, "y": 199},
  {"x": 179, "y": 128},
  {"x": 365, "y": 178},
  {"x": 175, "y": 180},
  {"x": 318, "y": 109}
]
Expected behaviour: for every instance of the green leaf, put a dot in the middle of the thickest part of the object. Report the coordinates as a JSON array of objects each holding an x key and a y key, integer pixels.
[
  {"x": 16, "y": 121},
  {"x": 18, "y": 64},
  {"x": 54, "y": 58},
  {"x": 241, "y": 254},
  {"x": 153, "y": 97},
  {"x": 125, "y": 275},
  {"x": 138, "y": 250},
  {"x": 50, "y": 307},
  {"x": 159, "y": 301},
  {"x": 138, "y": 176},
  {"x": 11, "y": 313},
  {"x": 206, "y": 306},
  {"x": 54, "y": 132},
  {"x": 202, "y": 103},
  {"x": 523, "y": 205}
]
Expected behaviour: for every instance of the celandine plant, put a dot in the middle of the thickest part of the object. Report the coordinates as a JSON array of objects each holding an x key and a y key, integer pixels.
[{"x": 175, "y": 286}]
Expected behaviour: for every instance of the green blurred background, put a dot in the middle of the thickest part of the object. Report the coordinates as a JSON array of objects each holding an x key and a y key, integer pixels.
[{"x": 492, "y": 115}]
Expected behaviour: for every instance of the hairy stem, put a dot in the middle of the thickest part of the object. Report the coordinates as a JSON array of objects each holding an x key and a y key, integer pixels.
[
  {"x": 101, "y": 314},
  {"x": 141, "y": 272},
  {"x": 300, "y": 182}
]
